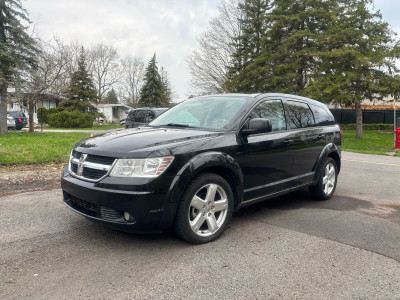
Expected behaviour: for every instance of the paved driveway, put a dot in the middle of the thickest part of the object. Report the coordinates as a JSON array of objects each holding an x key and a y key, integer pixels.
[{"x": 291, "y": 247}]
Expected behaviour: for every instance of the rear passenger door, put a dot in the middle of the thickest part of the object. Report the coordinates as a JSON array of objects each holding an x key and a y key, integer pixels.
[{"x": 306, "y": 139}]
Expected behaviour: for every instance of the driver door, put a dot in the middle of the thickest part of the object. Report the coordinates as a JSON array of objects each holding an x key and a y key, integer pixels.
[{"x": 267, "y": 164}]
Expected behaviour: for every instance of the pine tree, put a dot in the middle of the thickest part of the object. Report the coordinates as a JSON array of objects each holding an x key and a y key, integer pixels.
[
  {"x": 358, "y": 59},
  {"x": 111, "y": 97},
  {"x": 152, "y": 93},
  {"x": 168, "y": 91},
  {"x": 245, "y": 75},
  {"x": 17, "y": 50},
  {"x": 81, "y": 91}
]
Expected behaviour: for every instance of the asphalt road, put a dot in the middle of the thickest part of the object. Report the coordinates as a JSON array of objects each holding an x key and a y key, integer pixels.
[{"x": 288, "y": 248}]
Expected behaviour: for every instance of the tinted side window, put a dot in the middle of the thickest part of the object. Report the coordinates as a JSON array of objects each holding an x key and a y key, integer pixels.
[
  {"x": 272, "y": 110},
  {"x": 140, "y": 116},
  {"x": 299, "y": 115},
  {"x": 322, "y": 117},
  {"x": 131, "y": 115},
  {"x": 149, "y": 116}
]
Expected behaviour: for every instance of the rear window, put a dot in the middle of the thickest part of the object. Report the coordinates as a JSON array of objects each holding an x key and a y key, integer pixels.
[{"x": 16, "y": 114}]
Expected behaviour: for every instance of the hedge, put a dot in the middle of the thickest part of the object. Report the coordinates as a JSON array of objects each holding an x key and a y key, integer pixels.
[
  {"x": 42, "y": 114},
  {"x": 73, "y": 119},
  {"x": 378, "y": 126}
]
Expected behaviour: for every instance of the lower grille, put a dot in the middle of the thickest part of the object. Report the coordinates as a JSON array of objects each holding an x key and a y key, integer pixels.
[
  {"x": 83, "y": 206},
  {"x": 94, "y": 210},
  {"x": 111, "y": 214}
]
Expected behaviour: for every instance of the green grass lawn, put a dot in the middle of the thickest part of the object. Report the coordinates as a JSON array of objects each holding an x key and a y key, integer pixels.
[
  {"x": 18, "y": 147},
  {"x": 95, "y": 127},
  {"x": 373, "y": 142},
  {"x": 37, "y": 148}
]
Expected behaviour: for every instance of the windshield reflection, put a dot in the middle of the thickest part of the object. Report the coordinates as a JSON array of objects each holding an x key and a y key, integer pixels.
[{"x": 204, "y": 112}]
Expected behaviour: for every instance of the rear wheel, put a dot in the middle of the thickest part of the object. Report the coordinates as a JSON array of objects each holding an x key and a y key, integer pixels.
[
  {"x": 327, "y": 180},
  {"x": 205, "y": 210}
]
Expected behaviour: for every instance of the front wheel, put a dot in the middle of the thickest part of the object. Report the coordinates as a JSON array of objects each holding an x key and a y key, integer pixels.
[
  {"x": 205, "y": 210},
  {"x": 327, "y": 180}
]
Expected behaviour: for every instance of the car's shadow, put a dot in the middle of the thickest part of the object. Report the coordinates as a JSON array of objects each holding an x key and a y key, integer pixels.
[{"x": 302, "y": 199}]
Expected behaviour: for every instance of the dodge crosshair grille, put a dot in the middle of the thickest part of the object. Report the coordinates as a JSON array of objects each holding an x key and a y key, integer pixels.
[{"x": 89, "y": 167}]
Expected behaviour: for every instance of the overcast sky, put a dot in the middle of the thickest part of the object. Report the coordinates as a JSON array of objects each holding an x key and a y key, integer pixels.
[{"x": 141, "y": 28}]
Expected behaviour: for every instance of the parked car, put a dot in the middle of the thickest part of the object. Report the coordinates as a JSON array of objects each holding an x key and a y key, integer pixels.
[
  {"x": 143, "y": 116},
  {"x": 203, "y": 159},
  {"x": 10, "y": 122},
  {"x": 122, "y": 121},
  {"x": 20, "y": 119}
]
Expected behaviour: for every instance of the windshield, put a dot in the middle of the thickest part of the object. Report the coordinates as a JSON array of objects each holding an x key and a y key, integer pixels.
[{"x": 214, "y": 112}]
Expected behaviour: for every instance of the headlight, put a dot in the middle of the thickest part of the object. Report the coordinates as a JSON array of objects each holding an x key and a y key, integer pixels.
[{"x": 149, "y": 167}]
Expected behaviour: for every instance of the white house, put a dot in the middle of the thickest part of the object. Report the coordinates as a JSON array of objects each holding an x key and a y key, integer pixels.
[{"x": 113, "y": 112}]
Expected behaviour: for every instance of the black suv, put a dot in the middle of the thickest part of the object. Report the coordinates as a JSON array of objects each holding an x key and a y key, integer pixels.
[
  {"x": 20, "y": 119},
  {"x": 203, "y": 159},
  {"x": 142, "y": 116}
]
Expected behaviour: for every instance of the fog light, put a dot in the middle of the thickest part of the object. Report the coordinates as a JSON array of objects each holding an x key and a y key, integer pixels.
[{"x": 127, "y": 216}]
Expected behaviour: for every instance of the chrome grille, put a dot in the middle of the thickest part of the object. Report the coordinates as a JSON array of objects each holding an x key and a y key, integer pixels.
[{"x": 89, "y": 167}]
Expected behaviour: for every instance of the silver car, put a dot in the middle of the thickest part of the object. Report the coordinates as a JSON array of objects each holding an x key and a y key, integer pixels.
[{"x": 10, "y": 122}]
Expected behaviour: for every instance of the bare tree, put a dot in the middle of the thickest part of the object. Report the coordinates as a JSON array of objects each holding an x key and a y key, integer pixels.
[
  {"x": 132, "y": 80},
  {"x": 46, "y": 79},
  {"x": 208, "y": 64},
  {"x": 104, "y": 67}
]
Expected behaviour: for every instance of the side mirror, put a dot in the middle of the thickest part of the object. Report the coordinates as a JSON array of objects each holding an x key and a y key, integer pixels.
[{"x": 258, "y": 125}]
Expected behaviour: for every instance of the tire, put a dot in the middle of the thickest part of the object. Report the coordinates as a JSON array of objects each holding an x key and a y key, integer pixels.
[
  {"x": 205, "y": 210},
  {"x": 327, "y": 181}
]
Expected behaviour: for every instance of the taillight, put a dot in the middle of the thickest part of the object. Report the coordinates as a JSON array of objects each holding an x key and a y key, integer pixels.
[
  {"x": 19, "y": 120},
  {"x": 341, "y": 133}
]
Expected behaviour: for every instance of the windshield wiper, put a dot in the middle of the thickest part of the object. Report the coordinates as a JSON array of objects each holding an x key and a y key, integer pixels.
[{"x": 176, "y": 125}]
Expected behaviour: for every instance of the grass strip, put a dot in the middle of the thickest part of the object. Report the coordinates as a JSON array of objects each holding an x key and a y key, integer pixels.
[
  {"x": 37, "y": 148},
  {"x": 373, "y": 142}
]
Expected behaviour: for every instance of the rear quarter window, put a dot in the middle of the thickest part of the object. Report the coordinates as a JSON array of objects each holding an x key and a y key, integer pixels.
[{"x": 322, "y": 116}]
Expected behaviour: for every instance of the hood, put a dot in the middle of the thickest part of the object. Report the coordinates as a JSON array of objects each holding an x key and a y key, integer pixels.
[{"x": 140, "y": 142}]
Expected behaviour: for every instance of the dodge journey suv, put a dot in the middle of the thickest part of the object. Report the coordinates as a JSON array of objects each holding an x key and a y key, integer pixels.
[{"x": 203, "y": 159}]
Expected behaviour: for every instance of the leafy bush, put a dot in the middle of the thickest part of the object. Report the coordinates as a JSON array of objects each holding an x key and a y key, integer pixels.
[
  {"x": 42, "y": 114},
  {"x": 73, "y": 119},
  {"x": 378, "y": 126}
]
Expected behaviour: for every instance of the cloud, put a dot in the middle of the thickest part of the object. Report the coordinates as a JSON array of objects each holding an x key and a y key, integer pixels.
[{"x": 136, "y": 28}]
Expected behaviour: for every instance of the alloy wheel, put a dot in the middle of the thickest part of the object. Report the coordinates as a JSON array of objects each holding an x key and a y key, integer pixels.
[{"x": 208, "y": 210}]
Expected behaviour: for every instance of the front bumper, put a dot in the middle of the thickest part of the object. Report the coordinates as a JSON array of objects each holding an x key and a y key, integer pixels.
[{"x": 110, "y": 204}]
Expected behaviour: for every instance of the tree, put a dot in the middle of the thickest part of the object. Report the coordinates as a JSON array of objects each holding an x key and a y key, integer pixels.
[
  {"x": 42, "y": 81},
  {"x": 111, "y": 97},
  {"x": 244, "y": 73},
  {"x": 131, "y": 80},
  {"x": 81, "y": 91},
  {"x": 153, "y": 92},
  {"x": 359, "y": 61},
  {"x": 168, "y": 90},
  {"x": 209, "y": 64},
  {"x": 104, "y": 67},
  {"x": 17, "y": 50},
  {"x": 334, "y": 51}
]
